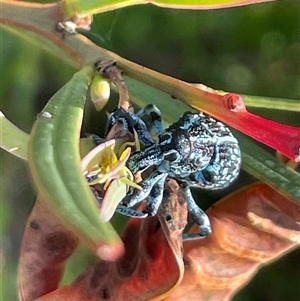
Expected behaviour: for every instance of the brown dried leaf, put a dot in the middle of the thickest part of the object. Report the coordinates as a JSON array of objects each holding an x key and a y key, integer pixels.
[
  {"x": 46, "y": 246},
  {"x": 151, "y": 266},
  {"x": 251, "y": 227}
]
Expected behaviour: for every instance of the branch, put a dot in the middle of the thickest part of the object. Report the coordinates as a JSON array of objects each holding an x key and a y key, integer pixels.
[{"x": 229, "y": 108}]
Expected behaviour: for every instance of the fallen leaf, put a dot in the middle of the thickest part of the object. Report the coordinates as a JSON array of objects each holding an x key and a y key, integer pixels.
[
  {"x": 251, "y": 227},
  {"x": 152, "y": 264},
  {"x": 46, "y": 246}
]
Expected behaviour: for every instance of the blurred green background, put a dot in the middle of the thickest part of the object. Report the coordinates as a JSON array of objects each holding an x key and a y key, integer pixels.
[{"x": 251, "y": 50}]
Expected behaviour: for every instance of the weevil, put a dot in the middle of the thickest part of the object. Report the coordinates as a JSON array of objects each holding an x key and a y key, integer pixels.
[{"x": 196, "y": 151}]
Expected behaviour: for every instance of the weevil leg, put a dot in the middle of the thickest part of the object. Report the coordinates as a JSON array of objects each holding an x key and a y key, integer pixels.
[
  {"x": 118, "y": 115},
  {"x": 138, "y": 196},
  {"x": 155, "y": 197},
  {"x": 143, "y": 133},
  {"x": 130, "y": 121},
  {"x": 96, "y": 195},
  {"x": 97, "y": 139},
  {"x": 154, "y": 115},
  {"x": 91, "y": 178},
  {"x": 130, "y": 212},
  {"x": 145, "y": 158},
  {"x": 197, "y": 215},
  {"x": 121, "y": 209}
]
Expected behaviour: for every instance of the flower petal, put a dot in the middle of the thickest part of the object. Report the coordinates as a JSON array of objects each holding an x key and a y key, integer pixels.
[
  {"x": 131, "y": 183},
  {"x": 119, "y": 164},
  {"x": 113, "y": 196},
  {"x": 96, "y": 155}
]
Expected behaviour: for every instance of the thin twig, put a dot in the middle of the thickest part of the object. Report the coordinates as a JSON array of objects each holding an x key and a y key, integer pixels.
[{"x": 109, "y": 69}]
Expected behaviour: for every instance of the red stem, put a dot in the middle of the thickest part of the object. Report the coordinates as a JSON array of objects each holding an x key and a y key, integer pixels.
[
  {"x": 228, "y": 108},
  {"x": 232, "y": 110}
]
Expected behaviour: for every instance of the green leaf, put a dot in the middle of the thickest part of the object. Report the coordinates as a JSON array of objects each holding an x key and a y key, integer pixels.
[
  {"x": 95, "y": 6},
  {"x": 256, "y": 160},
  {"x": 55, "y": 166},
  {"x": 265, "y": 167},
  {"x": 40, "y": 42},
  {"x": 142, "y": 94},
  {"x": 145, "y": 75},
  {"x": 272, "y": 103},
  {"x": 13, "y": 140}
]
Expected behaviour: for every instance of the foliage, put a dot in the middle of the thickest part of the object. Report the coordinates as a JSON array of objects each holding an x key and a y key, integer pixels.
[{"x": 248, "y": 50}]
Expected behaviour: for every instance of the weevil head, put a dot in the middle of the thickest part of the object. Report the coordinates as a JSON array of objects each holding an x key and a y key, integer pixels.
[
  {"x": 181, "y": 154},
  {"x": 175, "y": 145}
]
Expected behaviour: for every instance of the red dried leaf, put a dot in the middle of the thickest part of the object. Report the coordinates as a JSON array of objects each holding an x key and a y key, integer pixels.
[
  {"x": 151, "y": 266},
  {"x": 45, "y": 248},
  {"x": 250, "y": 227}
]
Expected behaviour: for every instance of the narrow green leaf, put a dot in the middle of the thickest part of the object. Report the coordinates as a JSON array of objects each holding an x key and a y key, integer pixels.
[
  {"x": 265, "y": 102},
  {"x": 142, "y": 94},
  {"x": 95, "y": 6},
  {"x": 91, "y": 54},
  {"x": 41, "y": 42},
  {"x": 55, "y": 165},
  {"x": 272, "y": 103},
  {"x": 203, "y": 4},
  {"x": 265, "y": 167},
  {"x": 12, "y": 139},
  {"x": 256, "y": 161}
]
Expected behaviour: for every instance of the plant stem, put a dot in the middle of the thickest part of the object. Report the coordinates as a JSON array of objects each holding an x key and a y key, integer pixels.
[{"x": 42, "y": 19}]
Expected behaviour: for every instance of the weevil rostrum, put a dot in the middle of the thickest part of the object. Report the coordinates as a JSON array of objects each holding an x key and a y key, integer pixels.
[{"x": 196, "y": 150}]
